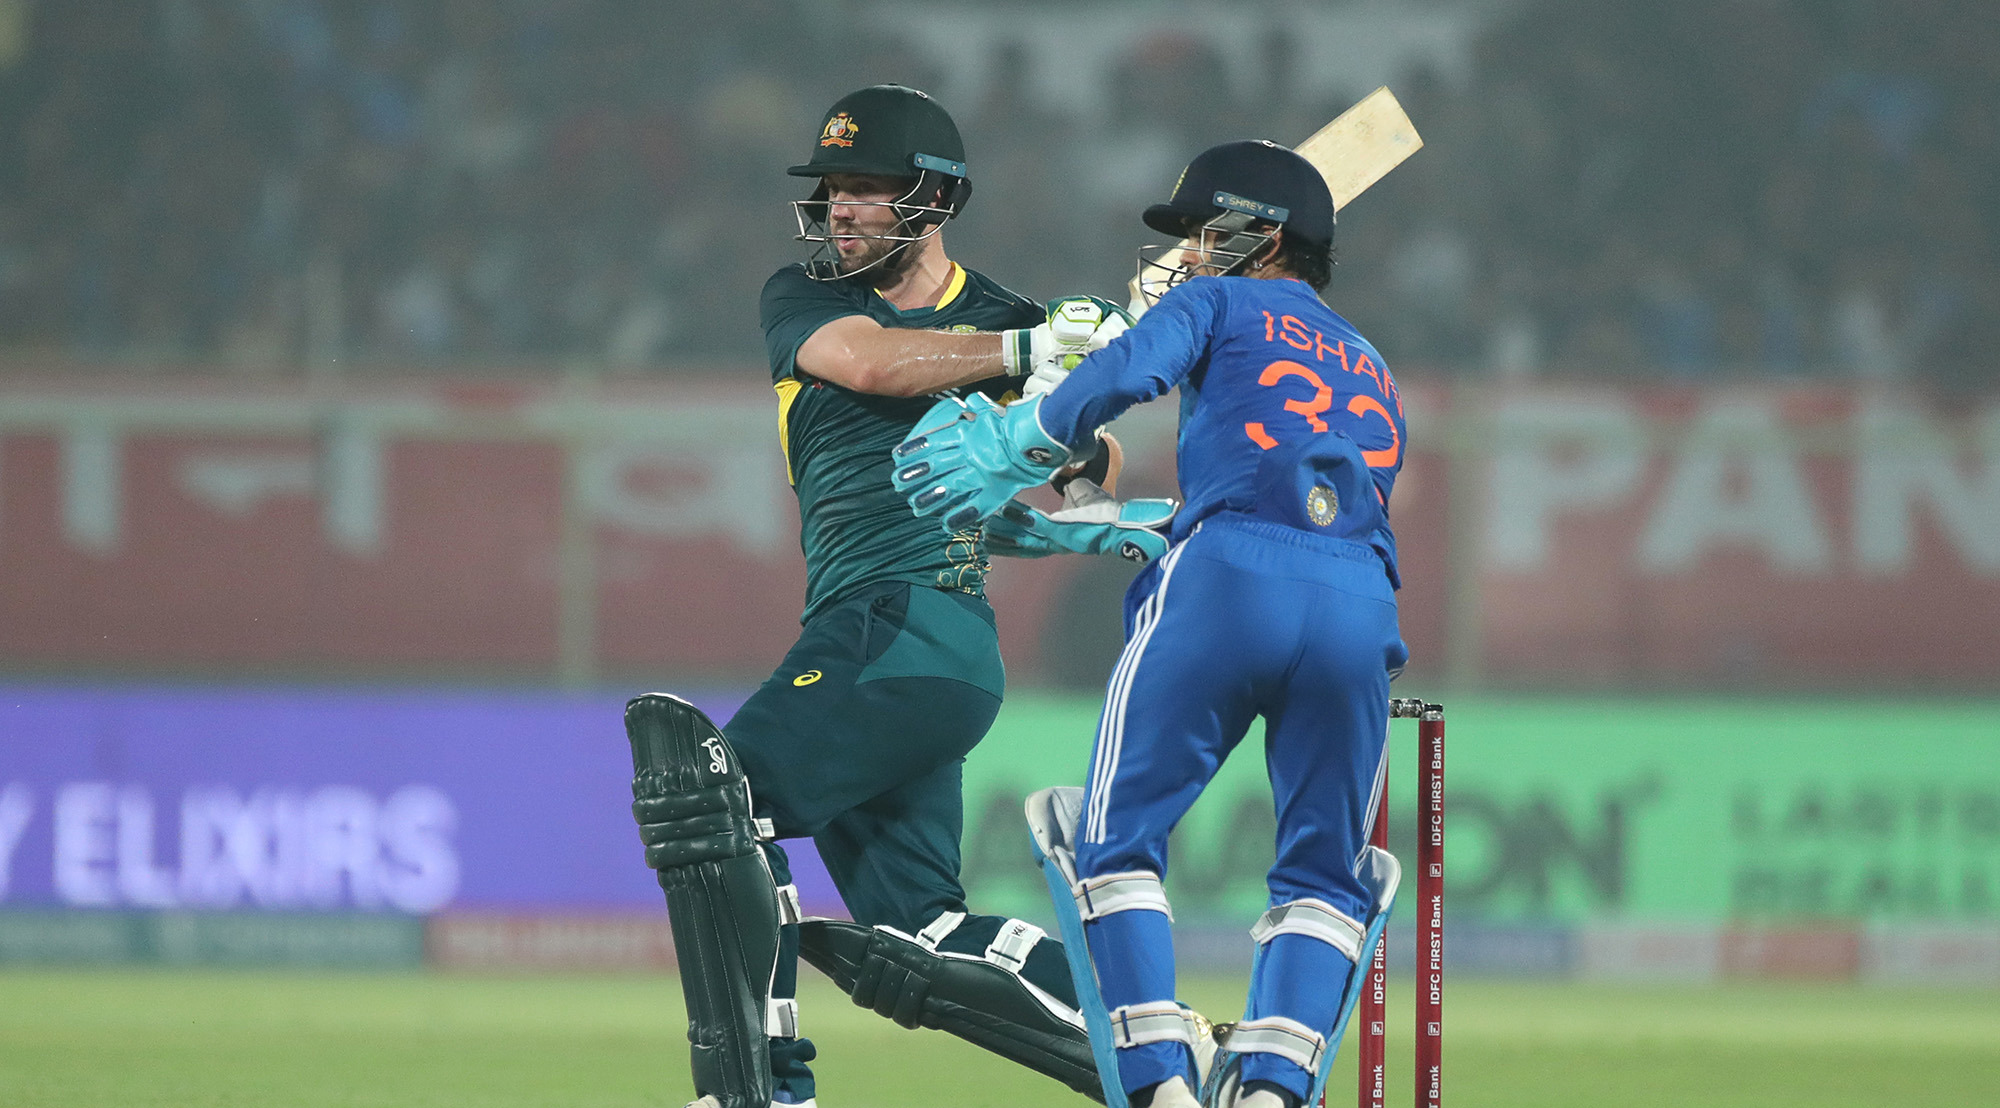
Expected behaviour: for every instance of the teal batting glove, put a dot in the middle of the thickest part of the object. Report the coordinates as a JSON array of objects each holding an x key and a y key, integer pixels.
[
  {"x": 1090, "y": 522},
  {"x": 967, "y": 458}
]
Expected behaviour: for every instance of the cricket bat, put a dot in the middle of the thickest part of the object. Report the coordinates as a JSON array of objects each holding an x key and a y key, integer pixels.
[{"x": 1353, "y": 152}]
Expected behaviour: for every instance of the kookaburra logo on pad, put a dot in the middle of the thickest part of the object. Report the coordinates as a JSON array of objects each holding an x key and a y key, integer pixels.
[
  {"x": 839, "y": 131},
  {"x": 716, "y": 762}
]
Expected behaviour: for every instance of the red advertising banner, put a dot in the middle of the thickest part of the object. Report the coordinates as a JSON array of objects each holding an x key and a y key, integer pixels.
[
  {"x": 1589, "y": 536},
  {"x": 1737, "y": 537}
]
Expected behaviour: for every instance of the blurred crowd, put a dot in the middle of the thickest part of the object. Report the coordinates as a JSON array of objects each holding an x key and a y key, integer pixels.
[
  {"x": 1700, "y": 188},
  {"x": 1774, "y": 187}
]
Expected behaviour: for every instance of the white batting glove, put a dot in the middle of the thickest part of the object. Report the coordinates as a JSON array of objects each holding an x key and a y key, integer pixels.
[
  {"x": 1025, "y": 349},
  {"x": 1078, "y": 326},
  {"x": 1085, "y": 324},
  {"x": 1046, "y": 377}
]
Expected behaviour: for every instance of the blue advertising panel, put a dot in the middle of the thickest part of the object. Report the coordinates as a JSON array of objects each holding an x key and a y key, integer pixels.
[{"x": 415, "y": 801}]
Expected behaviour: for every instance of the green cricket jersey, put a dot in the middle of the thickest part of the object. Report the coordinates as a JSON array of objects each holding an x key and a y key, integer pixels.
[{"x": 854, "y": 527}]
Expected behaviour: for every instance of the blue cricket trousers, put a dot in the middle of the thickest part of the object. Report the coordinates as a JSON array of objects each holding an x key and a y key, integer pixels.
[{"x": 1246, "y": 617}]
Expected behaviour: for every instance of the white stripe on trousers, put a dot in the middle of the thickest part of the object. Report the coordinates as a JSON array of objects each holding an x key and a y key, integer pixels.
[
  {"x": 1111, "y": 731},
  {"x": 1374, "y": 798}
]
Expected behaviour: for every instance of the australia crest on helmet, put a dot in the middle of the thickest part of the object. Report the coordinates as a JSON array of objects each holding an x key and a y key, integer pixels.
[{"x": 840, "y": 130}]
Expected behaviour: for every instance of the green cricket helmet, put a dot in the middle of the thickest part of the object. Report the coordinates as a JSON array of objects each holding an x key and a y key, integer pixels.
[{"x": 884, "y": 131}]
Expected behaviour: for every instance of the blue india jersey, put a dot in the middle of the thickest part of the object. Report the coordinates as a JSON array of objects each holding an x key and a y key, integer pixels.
[
  {"x": 1272, "y": 602},
  {"x": 1286, "y": 411}
]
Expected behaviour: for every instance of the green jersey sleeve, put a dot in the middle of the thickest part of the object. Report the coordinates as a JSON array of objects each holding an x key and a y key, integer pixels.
[
  {"x": 792, "y": 307},
  {"x": 854, "y": 528}
]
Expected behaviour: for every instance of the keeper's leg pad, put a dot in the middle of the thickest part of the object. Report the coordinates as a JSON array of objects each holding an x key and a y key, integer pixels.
[
  {"x": 981, "y": 999},
  {"x": 1053, "y": 816},
  {"x": 1380, "y": 874},
  {"x": 692, "y": 803}
]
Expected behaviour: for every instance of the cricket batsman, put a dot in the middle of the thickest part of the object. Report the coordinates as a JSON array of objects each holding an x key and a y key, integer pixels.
[
  {"x": 1277, "y": 599},
  {"x": 858, "y": 738}
]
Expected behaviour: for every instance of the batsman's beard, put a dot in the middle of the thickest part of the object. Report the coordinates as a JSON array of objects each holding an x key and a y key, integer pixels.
[{"x": 879, "y": 262}]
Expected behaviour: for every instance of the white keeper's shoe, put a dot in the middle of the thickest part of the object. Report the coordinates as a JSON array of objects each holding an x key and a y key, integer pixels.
[
  {"x": 1205, "y": 1049},
  {"x": 1174, "y": 1093},
  {"x": 705, "y": 1102}
]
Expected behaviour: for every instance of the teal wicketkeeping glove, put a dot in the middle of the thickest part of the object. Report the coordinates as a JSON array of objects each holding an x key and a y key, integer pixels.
[
  {"x": 1090, "y": 521},
  {"x": 966, "y": 458}
]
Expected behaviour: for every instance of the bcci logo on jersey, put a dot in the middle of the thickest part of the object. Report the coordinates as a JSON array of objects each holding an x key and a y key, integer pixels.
[{"x": 1321, "y": 506}]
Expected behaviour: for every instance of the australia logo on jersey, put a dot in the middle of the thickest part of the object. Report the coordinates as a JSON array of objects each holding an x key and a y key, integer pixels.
[
  {"x": 839, "y": 131},
  {"x": 1322, "y": 505}
]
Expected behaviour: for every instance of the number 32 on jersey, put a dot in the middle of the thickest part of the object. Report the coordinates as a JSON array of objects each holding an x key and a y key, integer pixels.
[{"x": 1289, "y": 330}]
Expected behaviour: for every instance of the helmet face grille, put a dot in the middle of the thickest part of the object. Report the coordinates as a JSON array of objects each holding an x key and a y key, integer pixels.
[
  {"x": 915, "y": 222},
  {"x": 1225, "y": 243}
]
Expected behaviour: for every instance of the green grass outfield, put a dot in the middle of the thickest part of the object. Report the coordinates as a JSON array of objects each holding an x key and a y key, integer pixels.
[{"x": 140, "y": 1039}]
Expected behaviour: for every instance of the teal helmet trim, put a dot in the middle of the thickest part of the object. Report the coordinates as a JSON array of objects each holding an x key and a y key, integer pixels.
[{"x": 942, "y": 165}]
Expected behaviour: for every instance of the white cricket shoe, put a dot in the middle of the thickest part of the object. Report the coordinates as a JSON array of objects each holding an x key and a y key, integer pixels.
[
  {"x": 1205, "y": 1048},
  {"x": 810, "y": 1103}
]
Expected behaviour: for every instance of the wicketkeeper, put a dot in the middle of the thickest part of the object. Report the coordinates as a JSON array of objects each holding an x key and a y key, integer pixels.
[{"x": 1277, "y": 598}]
